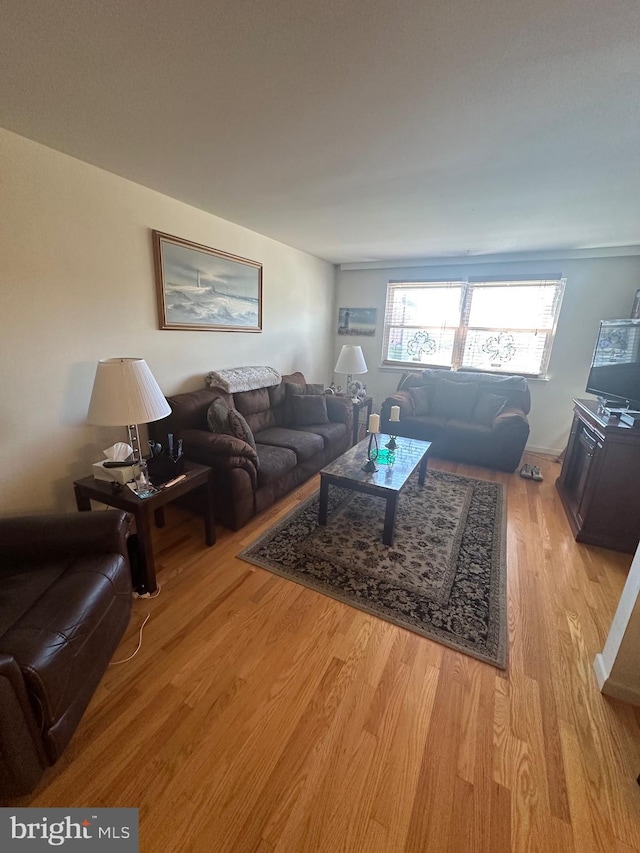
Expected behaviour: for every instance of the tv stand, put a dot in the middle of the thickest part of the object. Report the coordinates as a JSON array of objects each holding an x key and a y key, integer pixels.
[{"x": 599, "y": 484}]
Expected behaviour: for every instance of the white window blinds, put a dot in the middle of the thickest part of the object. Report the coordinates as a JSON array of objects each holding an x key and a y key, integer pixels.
[{"x": 501, "y": 326}]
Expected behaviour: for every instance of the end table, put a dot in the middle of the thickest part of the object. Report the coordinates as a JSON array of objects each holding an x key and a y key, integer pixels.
[{"x": 197, "y": 477}]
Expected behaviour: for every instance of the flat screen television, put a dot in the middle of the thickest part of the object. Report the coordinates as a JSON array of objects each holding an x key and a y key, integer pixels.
[{"x": 615, "y": 368}]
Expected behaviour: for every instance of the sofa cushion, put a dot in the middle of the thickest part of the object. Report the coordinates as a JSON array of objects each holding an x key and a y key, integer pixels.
[
  {"x": 420, "y": 400},
  {"x": 332, "y": 433},
  {"x": 309, "y": 409},
  {"x": 454, "y": 399},
  {"x": 274, "y": 462},
  {"x": 488, "y": 406},
  {"x": 304, "y": 444}
]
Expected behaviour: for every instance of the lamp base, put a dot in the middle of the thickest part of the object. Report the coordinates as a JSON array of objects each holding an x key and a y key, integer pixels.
[{"x": 370, "y": 467}]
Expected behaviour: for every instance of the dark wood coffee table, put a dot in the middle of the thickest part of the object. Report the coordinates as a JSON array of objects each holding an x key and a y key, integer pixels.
[
  {"x": 387, "y": 482},
  {"x": 197, "y": 477}
]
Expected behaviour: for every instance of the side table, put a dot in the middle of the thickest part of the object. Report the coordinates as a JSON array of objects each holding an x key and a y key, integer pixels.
[
  {"x": 365, "y": 404},
  {"x": 197, "y": 477}
]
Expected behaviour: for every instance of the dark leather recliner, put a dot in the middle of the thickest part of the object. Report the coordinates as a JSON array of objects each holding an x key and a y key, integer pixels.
[{"x": 65, "y": 602}]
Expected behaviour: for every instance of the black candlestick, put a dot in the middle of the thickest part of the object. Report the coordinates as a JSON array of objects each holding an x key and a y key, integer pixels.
[{"x": 372, "y": 454}]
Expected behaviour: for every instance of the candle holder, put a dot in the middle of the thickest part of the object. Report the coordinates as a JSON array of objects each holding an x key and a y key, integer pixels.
[
  {"x": 392, "y": 444},
  {"x": 372, "y": 454}
]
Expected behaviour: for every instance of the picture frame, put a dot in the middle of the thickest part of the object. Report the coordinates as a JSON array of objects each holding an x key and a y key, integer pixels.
[
  {"x": 357, "y": 321},
  {"x": 205, "y": 290},
  {"x": 635, "y": 310}
]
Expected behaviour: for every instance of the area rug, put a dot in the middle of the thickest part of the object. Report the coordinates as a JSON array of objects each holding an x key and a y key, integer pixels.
[{"x": 444, "y": 576}]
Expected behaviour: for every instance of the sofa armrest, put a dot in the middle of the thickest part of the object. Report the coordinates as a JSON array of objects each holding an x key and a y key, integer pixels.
[
  {"x": 22, "y": 756},
  {"x": 33, "y": 537},
  {"x": 220, "y": 452},
  {"x": 511, "y": 420}
]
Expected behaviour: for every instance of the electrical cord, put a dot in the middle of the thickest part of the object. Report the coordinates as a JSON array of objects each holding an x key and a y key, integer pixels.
[{"x": 126, "y": 660}]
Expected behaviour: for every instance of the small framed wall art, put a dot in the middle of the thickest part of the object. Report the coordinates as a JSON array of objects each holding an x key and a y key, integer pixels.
[
  {"x": 204, "y": 289},
  {"x": 357, "y": 321}
]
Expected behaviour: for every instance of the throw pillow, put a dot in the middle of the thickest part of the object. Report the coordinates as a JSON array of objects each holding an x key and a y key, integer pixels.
[
  {"x": 218, "y": 416},
  {"x": 454, "y": 400},
  {"x": 240, "y": 428},
  {"x": 420, "y": 400},
  {"x": 226, "y": 421},
  {"x": 309, "y": 409},
  {"x": 488, "y": 407}
]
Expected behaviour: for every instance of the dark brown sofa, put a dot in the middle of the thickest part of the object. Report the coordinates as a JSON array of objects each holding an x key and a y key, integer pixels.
[
  {"x": 64, "y": 605},
  {"x": 248, "y": 480},
  {"x": 477, "y": 418}
]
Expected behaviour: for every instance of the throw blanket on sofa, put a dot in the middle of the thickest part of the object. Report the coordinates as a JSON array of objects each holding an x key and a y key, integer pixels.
[{"x": 236, "y": 379}]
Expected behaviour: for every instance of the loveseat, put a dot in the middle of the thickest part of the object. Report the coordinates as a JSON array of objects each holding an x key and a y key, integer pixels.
[
  {"x": 472, "y": 417},
  {"x": 280, "y": 432},
  {"x": 65, "y": 604}
]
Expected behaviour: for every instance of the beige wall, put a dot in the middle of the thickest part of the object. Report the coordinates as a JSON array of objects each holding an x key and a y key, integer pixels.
[
  {"x": 617, "y": 670},
  {"x": 77, "y": 285},
  {"x": 597, "y": 288}
]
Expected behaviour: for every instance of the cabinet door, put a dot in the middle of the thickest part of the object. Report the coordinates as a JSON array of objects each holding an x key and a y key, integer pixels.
[
  {"x": 578, "y": 461},
  {"x": 589, "y": 447}
]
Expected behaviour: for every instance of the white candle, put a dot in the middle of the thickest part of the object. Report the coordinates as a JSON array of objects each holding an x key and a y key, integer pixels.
[
  {"x": 374, "y": 423},
  {"x": 395, "y": 413}
]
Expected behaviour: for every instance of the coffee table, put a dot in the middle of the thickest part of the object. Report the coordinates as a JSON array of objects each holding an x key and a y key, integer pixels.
[
  {"x": 387, "y": 482},
  {"x": 197, "y": 477}
]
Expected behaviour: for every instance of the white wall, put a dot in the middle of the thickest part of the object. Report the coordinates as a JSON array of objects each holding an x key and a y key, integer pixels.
[
  {"x": 597, "y": 289},
  {"x": 77, "y": 285},
  {"x": 616, "y": 668}
]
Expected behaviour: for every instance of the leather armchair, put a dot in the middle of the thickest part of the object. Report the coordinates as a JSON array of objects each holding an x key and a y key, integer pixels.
[{"x": 65, "y": 603}]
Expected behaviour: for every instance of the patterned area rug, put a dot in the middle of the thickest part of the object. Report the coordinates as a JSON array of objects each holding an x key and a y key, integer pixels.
[{"x": 444, "y": 577}]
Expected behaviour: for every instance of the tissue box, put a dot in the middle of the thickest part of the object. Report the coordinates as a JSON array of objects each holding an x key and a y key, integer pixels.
[{"x": 110, "y": 475}]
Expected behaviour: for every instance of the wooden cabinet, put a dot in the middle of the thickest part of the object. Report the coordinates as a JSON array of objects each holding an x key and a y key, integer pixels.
[{"x": 600, "y": 479}]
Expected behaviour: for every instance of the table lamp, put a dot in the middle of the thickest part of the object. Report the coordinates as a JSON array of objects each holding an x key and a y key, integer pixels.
[
  {"x": 125, "y": 393},
  {"x": 350, "y": 361}
]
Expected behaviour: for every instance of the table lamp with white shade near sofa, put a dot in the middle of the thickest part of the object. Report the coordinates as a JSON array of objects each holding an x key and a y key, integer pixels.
[
  {"x": 125, "y": 393},
  {"x": 350, "y": 361}
]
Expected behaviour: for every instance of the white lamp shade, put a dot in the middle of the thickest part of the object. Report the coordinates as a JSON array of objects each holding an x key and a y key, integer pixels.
[
  {"x": 125, "y": 392},
  {"x": 351, "y": 360}
]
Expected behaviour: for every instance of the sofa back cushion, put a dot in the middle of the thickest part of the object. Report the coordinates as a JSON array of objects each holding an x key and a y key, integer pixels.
[
  {"x": 454, "y": 400},
  {"x": 255, "y": 406},
  {"x": 514, "y": 388},
  {"x": 488, "y": 407},
  {"x": 188, "y": 411}
]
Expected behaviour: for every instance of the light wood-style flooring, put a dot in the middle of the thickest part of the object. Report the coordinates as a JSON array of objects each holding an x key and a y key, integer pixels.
[{"x": 261, "y": 716}]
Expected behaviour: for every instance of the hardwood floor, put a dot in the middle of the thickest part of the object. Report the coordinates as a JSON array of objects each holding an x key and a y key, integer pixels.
[{"x": 261, "y": 716}]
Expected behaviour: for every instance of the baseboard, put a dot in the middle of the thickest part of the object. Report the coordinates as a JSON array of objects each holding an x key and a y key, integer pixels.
[
  {"x": 600, "y": 670},
  {"x": 544, "y": 451},
  {"x": 612, "y": 688}
]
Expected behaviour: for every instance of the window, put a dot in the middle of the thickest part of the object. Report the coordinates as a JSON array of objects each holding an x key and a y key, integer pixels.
[{"x": 502, "y": 326}]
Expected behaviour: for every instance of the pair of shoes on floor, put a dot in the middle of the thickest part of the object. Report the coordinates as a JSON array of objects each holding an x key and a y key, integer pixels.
[{"x": 531, "y": 472}]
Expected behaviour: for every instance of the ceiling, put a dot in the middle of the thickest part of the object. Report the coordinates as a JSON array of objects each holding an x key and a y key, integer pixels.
[{"x": 357, "y": 130}]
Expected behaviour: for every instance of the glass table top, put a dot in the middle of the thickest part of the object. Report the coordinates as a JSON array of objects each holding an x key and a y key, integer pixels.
[{"x": 392, "y": 474}]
